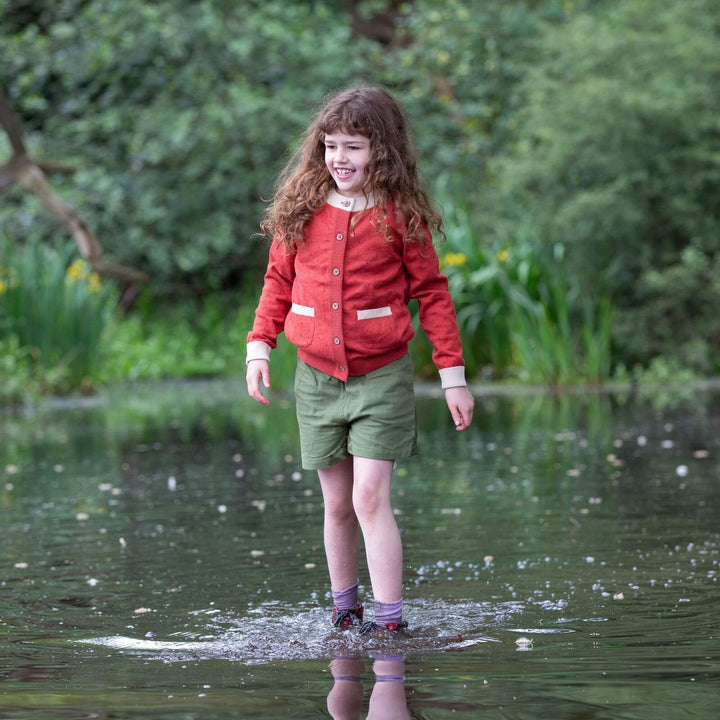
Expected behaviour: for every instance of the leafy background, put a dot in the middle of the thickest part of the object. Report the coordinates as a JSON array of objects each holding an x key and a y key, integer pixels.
[{"x": 574, "y": 147}]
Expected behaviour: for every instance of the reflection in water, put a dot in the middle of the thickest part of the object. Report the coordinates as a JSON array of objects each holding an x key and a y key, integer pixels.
[{"x": 387, "y": 699}]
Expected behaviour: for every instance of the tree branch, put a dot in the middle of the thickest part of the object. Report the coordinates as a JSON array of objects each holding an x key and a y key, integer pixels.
[
  {"x": 22, "y": 169},
  {"x": 10, "y": 124},
  {"x": 32, "y": 178}
]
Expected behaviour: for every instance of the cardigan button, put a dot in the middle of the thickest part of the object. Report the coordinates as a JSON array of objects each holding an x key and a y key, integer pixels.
[
  {"x": 335, "y": 306},
  {"x": 341, "y": 368},
  {"x": 336, "y": 341},
  {"x": 339, "y": 236},
  {"x": 336, "y": 271}
]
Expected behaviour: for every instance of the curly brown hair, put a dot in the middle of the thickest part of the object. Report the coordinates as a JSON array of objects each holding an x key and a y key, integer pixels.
[{"x": 392, "y": 179}]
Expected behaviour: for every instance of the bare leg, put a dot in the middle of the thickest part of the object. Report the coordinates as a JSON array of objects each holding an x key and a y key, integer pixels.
[
  {"x": 342, "y": 544},
  {"x": 371, "y": 500},
  {"x": 344, "y": 701},
  {"x": 388, "y": 700}
]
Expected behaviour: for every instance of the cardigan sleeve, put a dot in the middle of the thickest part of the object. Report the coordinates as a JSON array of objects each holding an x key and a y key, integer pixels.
[
  {"x": 275, "y": 302},
  {"x": 436, "y": 310}
]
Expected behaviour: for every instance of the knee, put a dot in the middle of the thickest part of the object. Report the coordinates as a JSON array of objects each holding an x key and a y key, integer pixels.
[
  {"x": 367, "y": 500},
  {"x": 340, "y": 510}
]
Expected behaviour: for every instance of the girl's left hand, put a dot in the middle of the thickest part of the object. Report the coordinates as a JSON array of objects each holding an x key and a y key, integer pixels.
[{"x": 461, "y": 404}]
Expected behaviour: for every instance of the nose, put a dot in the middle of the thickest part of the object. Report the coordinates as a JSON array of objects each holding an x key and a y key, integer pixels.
[{"x": 340, "y": 154}]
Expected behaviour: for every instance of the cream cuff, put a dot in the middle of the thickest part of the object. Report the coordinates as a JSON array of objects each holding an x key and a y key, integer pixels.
[
  {"x": 257, "y": 350},
  {"x": 453, "y": 377}
]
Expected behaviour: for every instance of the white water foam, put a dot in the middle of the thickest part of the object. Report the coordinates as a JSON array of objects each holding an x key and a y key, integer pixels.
[{"x": 268, "y": 633}]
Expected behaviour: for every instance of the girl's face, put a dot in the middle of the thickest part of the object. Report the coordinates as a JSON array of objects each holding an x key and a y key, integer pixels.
[{"x": 347, "y": 157}]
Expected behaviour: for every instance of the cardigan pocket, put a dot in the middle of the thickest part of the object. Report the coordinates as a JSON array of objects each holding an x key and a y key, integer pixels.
[
  {"x": 300, "y": 325},
  {"x": 375, "y": 326}
]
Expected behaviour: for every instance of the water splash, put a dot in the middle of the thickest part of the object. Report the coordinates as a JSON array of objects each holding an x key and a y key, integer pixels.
[{"x": 267, "y": 633}]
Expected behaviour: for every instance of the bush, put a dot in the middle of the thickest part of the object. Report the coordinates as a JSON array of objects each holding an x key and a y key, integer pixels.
[
  {"x": 616, "y": 159},
  {"x": 193, "y": 338}
]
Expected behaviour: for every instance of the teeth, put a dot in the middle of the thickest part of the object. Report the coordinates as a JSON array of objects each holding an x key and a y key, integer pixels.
[{"x": 344, "y": 172}]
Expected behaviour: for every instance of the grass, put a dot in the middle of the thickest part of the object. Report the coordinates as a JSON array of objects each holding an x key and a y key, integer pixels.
[{"x": 54, "y": 308}]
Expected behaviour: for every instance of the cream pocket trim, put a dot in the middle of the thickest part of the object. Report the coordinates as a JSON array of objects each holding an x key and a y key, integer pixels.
[
  {"x": 374, "y": 313},
  {"x": 302, "y": 310}
]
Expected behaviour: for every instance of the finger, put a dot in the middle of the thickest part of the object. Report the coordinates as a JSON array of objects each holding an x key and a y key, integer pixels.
[
  {"x": 253, "y": 380},
  {"x": 457, "y": 418},
  {"x": 462, "y": 418},
  {"x": 257, "y": 395},
  {"x": 260, "y": 397}
]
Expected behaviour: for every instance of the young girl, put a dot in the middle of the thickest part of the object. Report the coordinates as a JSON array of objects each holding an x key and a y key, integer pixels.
[{"x": 351, "y": 246}]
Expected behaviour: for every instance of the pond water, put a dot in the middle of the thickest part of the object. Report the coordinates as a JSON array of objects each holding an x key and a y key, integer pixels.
[{"x": 162, "y": 558}]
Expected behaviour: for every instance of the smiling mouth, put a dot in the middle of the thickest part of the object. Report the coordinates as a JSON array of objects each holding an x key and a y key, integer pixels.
[{"x": 342, "y": 172}]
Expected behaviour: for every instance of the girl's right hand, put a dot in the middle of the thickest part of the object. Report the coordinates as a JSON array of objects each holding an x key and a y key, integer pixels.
[{"x": 258, "y": 370}]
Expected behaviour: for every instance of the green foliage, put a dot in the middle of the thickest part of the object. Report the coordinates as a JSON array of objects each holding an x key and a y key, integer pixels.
[
  {"x": 554, "y": 350},
  {"x": 586, "y": 124},
  {"x": 54, "y": 308},
  {"x": 17, "y": 380},
  {"x": 517, "y": 310},
  {"x": 664, "y": 383},
  {"x": 676, "y": 315},
  {"x": 22, "y": 379},
  {"x": 564, "y": 338},
  {"x": 616, "y": 158},
  {"x": 456, "y": 75},
  {"x": 486, "y": 283},
  {"x": 177, "y": 116},
  {"x": 189, "y": 339}
]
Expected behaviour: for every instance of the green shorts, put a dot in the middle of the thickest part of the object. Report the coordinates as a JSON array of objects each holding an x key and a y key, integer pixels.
[{"x": 371, "y": 415}]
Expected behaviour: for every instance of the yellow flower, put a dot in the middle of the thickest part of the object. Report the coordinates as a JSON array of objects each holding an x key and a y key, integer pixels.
[
  {"x": 502, "y": 256},
  {"x": 94, "y": 282},
  {"x": 8, "y": 279},
  {"x": 77, "y": 271},
  {"x": 454, "y": 259}
]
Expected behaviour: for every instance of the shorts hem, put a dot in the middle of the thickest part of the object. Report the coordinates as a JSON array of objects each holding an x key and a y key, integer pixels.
[
  {"x": 322, "y": 463},
  {"x": 377, "y": 454}
]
